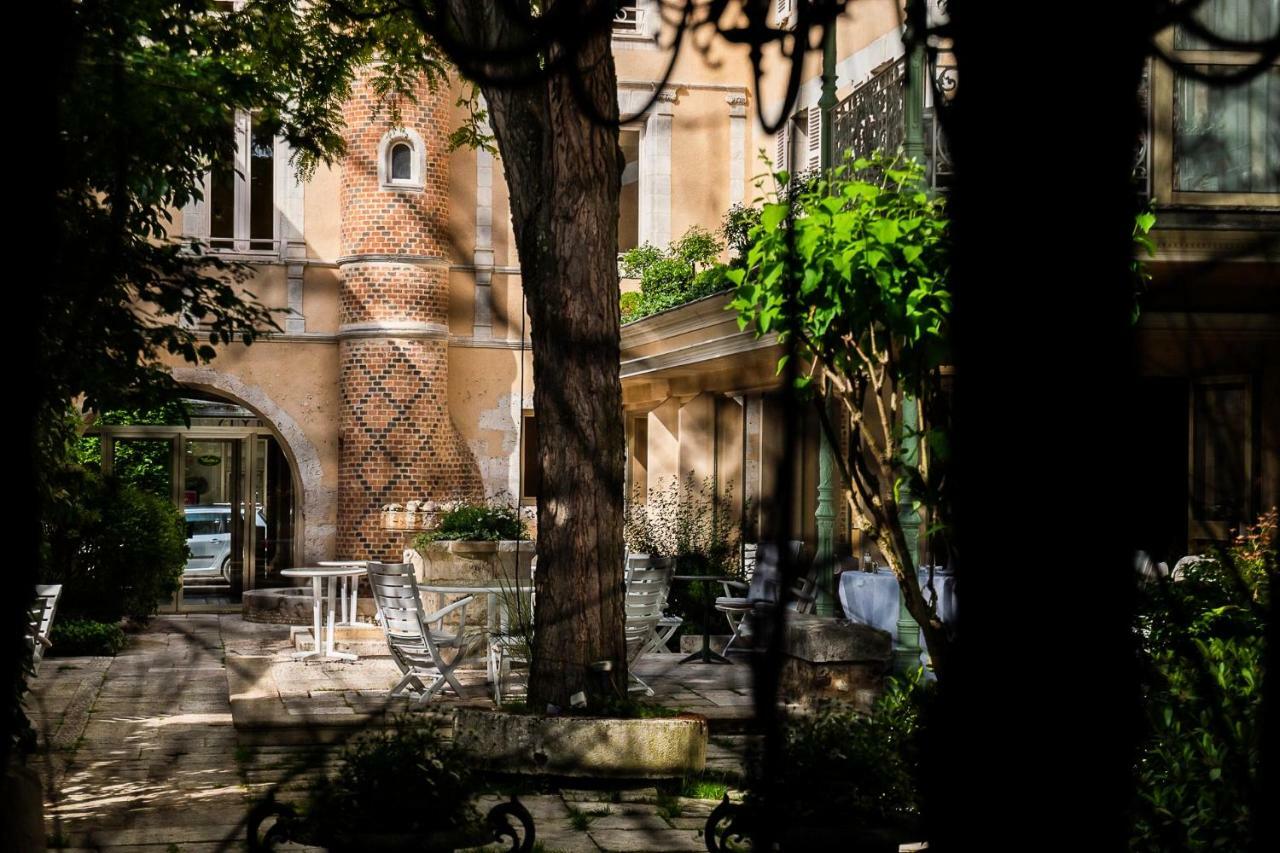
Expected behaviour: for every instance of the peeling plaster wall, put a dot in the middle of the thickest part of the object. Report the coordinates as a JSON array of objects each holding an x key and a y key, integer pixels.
[{"x": 485, "y": 398}]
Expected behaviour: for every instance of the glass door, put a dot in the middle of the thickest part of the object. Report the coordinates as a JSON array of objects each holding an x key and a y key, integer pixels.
[{"x": 213, "y": 484}]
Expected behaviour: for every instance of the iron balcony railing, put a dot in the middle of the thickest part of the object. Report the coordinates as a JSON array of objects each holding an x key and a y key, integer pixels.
[{"x": 872, "y": 117}]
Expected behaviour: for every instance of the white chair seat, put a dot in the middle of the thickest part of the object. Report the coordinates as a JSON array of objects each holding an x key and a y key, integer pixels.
[{"x": 727, "y": 603}]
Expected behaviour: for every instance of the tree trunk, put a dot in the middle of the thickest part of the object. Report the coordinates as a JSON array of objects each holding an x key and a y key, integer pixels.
[{"x": 564, "y": 174}]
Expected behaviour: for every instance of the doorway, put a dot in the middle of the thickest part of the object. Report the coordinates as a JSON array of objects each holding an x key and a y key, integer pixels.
[{"x": 228, "y": 475}]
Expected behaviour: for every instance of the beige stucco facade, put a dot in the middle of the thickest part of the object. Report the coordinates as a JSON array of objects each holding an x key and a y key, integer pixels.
[{"x": 697, "y": 391}]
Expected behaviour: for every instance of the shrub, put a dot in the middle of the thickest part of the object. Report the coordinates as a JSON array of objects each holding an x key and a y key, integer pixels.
[
  {"x": 117, "y": 550},
  {"x": 865, "y": 769},
  {"x": 405, "y": 780},
  {"x": 671, "y": 277},
  {"x": 1201, "y": 638},
  {"x": 485, "y": 521},
  {"x": 77, "y": 637},
  {"x": 694, "y": 523}
]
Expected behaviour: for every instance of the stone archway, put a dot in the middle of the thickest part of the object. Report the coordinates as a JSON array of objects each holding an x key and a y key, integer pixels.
[{"x": 317, "y": 530}]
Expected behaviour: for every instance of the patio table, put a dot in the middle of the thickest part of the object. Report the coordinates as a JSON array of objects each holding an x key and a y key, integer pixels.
[
  {"x": 871, "y": 598},
  {"x": 704, "y": 654},
  {"x": 324, "y": 642},
  {"x": 496, "y": 619},
  {"x": 349, "y": 590}
]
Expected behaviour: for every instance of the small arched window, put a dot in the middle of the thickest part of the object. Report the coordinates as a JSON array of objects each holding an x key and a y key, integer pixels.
[{"x": 401, "y": 160}]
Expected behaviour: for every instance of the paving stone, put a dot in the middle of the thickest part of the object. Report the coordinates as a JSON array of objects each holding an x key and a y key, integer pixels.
[
  {"x": 647, "y": 841},
  {"x": 631, "y": 821}
]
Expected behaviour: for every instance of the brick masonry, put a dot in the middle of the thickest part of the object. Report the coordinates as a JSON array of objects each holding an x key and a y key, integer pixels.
[{"x": 397, "y": 440}]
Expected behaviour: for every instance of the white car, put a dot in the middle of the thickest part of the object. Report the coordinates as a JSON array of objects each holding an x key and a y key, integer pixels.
[{"x": 209, "y": 540}]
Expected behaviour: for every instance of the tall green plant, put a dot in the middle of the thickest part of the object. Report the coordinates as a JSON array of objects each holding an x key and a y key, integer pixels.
[
  {"x": 852, "y": 269},
  {"x": 1202, "y": 641}
]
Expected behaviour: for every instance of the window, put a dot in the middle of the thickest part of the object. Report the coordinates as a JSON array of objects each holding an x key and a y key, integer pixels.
[
  {"x": 241, "y": 190},
  {"x": 1221, "y": 457},
  {"x": 401, "y": 160},
  {"x": 401, "y": 166},
  {"x": 629, "y": 201},
  {"x": 1219, "y": 143}
]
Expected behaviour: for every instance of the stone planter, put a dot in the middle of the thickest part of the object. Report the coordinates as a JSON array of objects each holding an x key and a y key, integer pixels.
[
  {"x": 590, "y": 747},
  {"x": 833, "y": 659},
  {"x": 462, "y": 563}
]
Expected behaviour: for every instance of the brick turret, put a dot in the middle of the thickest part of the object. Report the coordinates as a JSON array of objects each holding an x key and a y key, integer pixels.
[{"x": 398, "y": 441}]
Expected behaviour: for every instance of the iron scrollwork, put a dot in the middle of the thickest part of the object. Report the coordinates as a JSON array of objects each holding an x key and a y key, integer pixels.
[{"x": 508, "y": 823}]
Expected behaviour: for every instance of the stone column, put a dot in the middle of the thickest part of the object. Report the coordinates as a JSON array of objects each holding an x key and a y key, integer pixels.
[{"x": 397, "y": 440}]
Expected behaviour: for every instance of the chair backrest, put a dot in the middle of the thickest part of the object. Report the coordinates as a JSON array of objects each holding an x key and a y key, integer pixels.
[
  {"x": 645, "y": 597},
  {"x": 396, "y": 590},
  {"x": 40, "y": 624},
  {"x": 768, "y": 573}
]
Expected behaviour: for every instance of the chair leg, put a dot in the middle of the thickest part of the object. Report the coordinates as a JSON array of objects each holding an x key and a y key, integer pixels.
[{"x": 639, "y": 684}]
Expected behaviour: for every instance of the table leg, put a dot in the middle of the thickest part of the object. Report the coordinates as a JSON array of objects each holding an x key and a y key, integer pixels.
[
  {"x": 351, "y": 602},
  {"x": 490, "y": 625},
  {"x": 330, "y": 651},
  {"x": 315, "y": 623},
  {"x": 705, "y": 654}
]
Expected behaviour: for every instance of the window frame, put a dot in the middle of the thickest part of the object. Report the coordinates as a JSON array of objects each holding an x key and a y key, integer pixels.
[
  {"x": 416, "y": 182},
  {"x": 242, "y": 210},
  {"x": 1163, "y": 85},
  {"x": 526, "y": 448}
]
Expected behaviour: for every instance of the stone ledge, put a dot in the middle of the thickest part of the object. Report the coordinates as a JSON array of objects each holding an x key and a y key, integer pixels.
[{"x": 591, "y": 747}]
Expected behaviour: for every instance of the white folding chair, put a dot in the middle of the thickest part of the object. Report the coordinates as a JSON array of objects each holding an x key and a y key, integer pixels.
[
  {"x": 646, "y": 592},
  {"x": 416, "y": 638},
  {"x": 40, "y": 625}
]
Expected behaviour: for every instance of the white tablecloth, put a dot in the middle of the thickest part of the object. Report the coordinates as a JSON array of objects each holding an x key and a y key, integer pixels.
[{"x": 872, "y": 598}]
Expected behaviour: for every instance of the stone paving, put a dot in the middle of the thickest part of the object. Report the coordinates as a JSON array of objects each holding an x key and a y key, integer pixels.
[{"x": 140, "y": 753}]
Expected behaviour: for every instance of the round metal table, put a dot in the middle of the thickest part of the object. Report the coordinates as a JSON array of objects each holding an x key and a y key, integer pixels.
[
  {"x": 324, "y": 642},
  {"x": 704, "y": 654}
]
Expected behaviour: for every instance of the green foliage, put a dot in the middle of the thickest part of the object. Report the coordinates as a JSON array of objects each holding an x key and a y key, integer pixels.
[
  {"x": 863, "y": 268},
  {"x": 689, "y": 520},
  {"x": 866, "y": 769},
  {"x": 76, "y": 637},
  {"x": 671, "y": 277},
  {"x": 736, "y": 228},
  {"x": 116, "y": 549},
  {"x": 1203, "y": 651},
  {"x": 485, "y": 521},
  {"x": 1143, "y": 245},
  {"x": 405, "y": 780}
]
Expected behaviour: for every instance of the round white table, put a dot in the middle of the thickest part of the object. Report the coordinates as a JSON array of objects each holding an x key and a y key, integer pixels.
[
  {"x": 324, "y": 647},
  {"x": 349, "y": 588}
]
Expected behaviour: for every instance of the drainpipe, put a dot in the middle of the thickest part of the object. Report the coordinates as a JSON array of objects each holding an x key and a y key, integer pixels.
[{"x": 825, "y": 513}]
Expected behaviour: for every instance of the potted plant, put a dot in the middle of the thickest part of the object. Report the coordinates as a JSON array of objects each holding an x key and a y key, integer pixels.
[
  {"x": 474, "y": 542},
  {"x": 404, "y": 789}
]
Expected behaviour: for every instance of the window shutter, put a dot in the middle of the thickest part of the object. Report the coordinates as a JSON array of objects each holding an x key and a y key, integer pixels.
[
  {"x": 814, "y": 138},
  {"x": 781, "y": 145}
]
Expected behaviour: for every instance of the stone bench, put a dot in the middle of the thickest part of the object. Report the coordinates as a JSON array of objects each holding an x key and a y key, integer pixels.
[{"x": 833, "y": 659}]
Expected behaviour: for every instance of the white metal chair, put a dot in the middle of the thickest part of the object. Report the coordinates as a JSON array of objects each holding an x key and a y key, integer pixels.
[
  {"x": 762, "y": 588},
  {"x": 42, "y": 611},
  {"x": 667, "y": 624},
  {"x": 416, "y": 638},
  {"x": 646, "y": 593}
]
